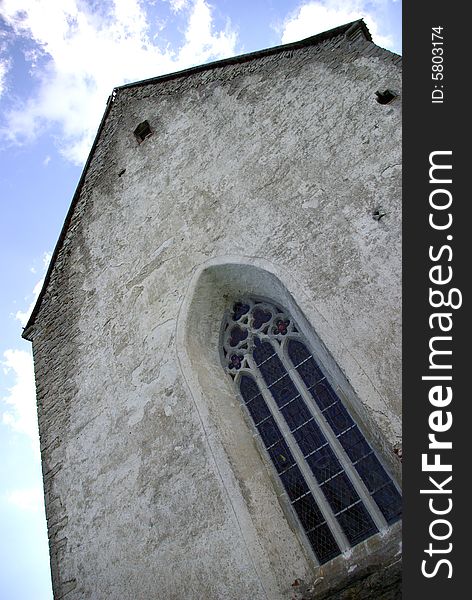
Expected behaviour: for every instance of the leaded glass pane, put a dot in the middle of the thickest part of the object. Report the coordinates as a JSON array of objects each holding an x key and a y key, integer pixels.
[
  {"x": 258, "y": 409},
  {"x": 372, "y": 473},
  {"x": 296, "y": 413},
  {"x": 294, "y": 483},
  {"x": 390, "y": 503},
  {"x": 356, "y": 523},
  {"x": 339, "y": 492},
  {"x": 324, "y": 464},
  {"x": 281, "y": 456},
  {"x": 262, "y": 351},
  {"x": 269, "y": 431},
  {"x": 248, "y": 388},
  {"x": 297, "y": 352},
  {"x": 308, "y": 512},
  {"x": 323, "y": 543},
  {"x": 272, "y": 370},
  {"x": 282, "y": 390},
  {"x": 309, "y": 437},
  {"x": 354, "y": 444},
  {"x": 338, "y": 417}
]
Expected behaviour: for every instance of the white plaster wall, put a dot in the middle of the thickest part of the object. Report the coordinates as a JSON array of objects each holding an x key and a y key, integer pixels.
[{"x": 154, "y": 488}]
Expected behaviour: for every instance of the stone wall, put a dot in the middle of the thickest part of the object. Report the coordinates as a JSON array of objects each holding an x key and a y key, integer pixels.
[{"x": 259, "y": 177}]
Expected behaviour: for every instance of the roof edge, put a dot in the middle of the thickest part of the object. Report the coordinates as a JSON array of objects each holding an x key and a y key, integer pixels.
[
  {"x": 67, "y": 220},
  {"x": 348, "y": 29}
]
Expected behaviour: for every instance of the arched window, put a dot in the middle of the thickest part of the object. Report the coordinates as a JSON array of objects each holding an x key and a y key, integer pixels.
[{"x": 340, "y": 492}]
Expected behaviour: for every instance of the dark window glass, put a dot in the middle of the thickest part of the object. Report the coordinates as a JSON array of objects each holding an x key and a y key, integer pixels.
[
  {"x": 309, "y": 437},
  {"x": 323, "y": 543},
  {"x": 282, "y": 390},
  {"x": 269, "y": 431},
  {"x": 297, "y": 352},
  {"x": 339, "y": 492},
  {"x": 260, "y": 316},
  {"x": 324, "y": 464},
  {"x": 262, "y": 351},
  {"x": 294, "y": 483},
  {"x": 281, "y": 456},
  {"x": 308, "y": 512},
  {"x": 240, "y": 309},
  {"x": 372, "y": 473},
  {"x": 248, "y": 388},
  {"x": 323, "y": 395},
  {"x": 296, "y": 413},
  {"x": 390, "y": 502},
  {"x": 272, "y": 370},
  {"x": 357, "y": 524},
  {"x": 354, "y": 444},
  {"x": 258, "y": 409},
  {"x": 338, "y": 417}
]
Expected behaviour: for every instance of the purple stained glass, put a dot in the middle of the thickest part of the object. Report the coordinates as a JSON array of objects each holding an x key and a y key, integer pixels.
[
  {"x": 240, "y": 309},
  {"x": 237, "y": 335},
  {"x": 281, "y": 327},
  {"x": 260, "y": 316},
  {"x": 235, "y": 361}
]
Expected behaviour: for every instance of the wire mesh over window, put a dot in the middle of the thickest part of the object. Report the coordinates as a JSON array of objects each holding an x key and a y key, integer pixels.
[{"x": 340, "y": 492}]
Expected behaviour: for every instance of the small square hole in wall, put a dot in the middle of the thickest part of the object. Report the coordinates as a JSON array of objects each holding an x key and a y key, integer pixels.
[
  {"x": 142, "y": 131},
  {"x": 385, "y": 97}
]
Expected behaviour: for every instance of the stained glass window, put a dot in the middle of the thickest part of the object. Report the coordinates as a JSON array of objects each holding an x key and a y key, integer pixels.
[{"x": 338, "y": 489}]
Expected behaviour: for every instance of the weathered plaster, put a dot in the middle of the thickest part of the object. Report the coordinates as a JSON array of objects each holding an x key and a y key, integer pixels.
[{"x": 261, "y": 178}]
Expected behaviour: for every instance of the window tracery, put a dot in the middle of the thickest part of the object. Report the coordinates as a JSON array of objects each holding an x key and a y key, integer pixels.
[{"x": 334, "y": 481}]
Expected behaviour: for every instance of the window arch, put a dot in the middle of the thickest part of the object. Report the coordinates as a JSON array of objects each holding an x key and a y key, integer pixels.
[{"x": 338, "y": 489}]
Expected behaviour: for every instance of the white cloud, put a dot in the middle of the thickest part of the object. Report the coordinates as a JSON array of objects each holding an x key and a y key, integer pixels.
[
  {"x": 21, "y": 415},
  {"x": 85, "y": 54},
  {"x": 27, "y": 499},
  {"x": 23, "y": 316},
  {"x": 178, "y": 5},
  {"x": 314, "y": 17},
  {"x": 4, "y": 68}
]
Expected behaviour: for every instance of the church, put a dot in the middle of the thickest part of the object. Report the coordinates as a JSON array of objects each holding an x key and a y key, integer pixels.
[{"x": 217, "y": 343}]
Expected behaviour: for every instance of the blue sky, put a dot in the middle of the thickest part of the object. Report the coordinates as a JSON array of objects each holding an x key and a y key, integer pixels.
[{"x": 59, "y": 61}]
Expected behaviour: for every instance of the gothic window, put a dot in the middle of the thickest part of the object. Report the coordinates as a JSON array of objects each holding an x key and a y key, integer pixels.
[{"x": 338, "y": 489}]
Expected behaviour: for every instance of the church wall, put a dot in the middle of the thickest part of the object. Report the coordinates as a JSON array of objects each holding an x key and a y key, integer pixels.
[{"x": 153, "y": 488}]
